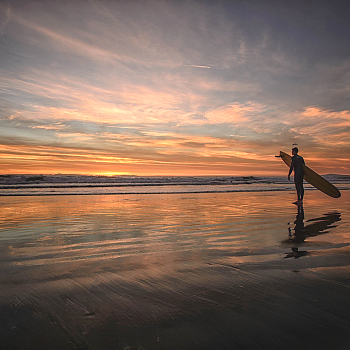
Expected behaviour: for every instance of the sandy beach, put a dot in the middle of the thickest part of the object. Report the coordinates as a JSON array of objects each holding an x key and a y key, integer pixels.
[{"x": 176, "y": 271}]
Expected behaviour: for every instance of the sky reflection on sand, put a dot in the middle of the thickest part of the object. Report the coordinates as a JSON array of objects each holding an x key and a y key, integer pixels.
[
  {"x": 247, "y": 227},
  {"x": 194, "y": 271}
]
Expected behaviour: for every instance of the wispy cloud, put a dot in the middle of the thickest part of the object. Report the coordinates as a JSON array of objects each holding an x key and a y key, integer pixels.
[
  {"x": 5, "y": 17},
  {"x": 196, "y": 66},
  {"x": 235, "y": 113}
]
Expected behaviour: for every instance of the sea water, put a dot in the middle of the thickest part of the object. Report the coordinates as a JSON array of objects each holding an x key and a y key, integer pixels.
[{"x": 24, "y": 185}]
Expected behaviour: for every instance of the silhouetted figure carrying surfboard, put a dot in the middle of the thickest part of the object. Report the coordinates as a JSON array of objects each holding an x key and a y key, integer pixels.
[
  {"x": 297, "y": 165},
  {"x": 309, "y": 175}
]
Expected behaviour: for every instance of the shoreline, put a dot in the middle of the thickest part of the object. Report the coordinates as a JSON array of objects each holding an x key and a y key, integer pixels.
[{"x": 157, "y": 193}]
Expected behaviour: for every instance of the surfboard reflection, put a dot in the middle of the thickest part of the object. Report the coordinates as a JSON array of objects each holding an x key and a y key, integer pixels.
[{"x": 301, "y": 232}]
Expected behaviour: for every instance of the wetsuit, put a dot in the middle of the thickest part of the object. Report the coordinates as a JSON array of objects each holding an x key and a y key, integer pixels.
[{"x": 297, "y": 166}]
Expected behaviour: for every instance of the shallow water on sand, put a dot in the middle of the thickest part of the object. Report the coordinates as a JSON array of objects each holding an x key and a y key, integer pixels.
[{"x": 174, "y": 271}]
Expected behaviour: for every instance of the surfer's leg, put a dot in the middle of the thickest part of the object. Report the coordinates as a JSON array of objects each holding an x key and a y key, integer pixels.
[
  {"x": 301, "y": 190},
  {"x": 299, "y": 187},
  {"x": 296, "y": 186}
]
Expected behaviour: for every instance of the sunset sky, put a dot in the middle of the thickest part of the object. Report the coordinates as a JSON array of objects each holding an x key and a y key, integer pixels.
[{"x": 173, "y": 87}]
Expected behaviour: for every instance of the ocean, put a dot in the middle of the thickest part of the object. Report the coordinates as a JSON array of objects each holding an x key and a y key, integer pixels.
[{"x": 29, "y": 185}]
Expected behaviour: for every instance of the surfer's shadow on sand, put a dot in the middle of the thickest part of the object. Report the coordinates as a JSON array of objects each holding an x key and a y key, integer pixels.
[{"x": 297, "y": 236}]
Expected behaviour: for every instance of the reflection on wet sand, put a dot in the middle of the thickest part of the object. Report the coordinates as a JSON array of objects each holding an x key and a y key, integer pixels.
[
  {"x": 195, "y": 271},
  {"x": 318, "y": 226}
]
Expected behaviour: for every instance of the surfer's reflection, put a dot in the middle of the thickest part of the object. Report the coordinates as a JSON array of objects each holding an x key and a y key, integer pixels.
[{"x": 317, "y": 226}]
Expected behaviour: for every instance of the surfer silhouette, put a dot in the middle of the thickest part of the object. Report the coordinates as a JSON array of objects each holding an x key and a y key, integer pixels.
[{"x": 297, "y": 165}]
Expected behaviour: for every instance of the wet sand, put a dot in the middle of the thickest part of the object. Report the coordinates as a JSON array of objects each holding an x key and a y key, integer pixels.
[{"x": 180, "y": 271}]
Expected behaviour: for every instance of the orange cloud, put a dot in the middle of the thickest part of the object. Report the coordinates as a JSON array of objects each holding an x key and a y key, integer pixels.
[
  {"x": 234, "y": 113},
  {"x": 325, "y": 126}
]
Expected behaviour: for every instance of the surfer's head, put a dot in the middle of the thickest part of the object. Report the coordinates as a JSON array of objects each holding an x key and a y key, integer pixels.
[{"x": 295, "y": 150}]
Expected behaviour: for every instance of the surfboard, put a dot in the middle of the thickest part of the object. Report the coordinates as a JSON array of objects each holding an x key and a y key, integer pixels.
[{"x": 313, "y": 178}]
